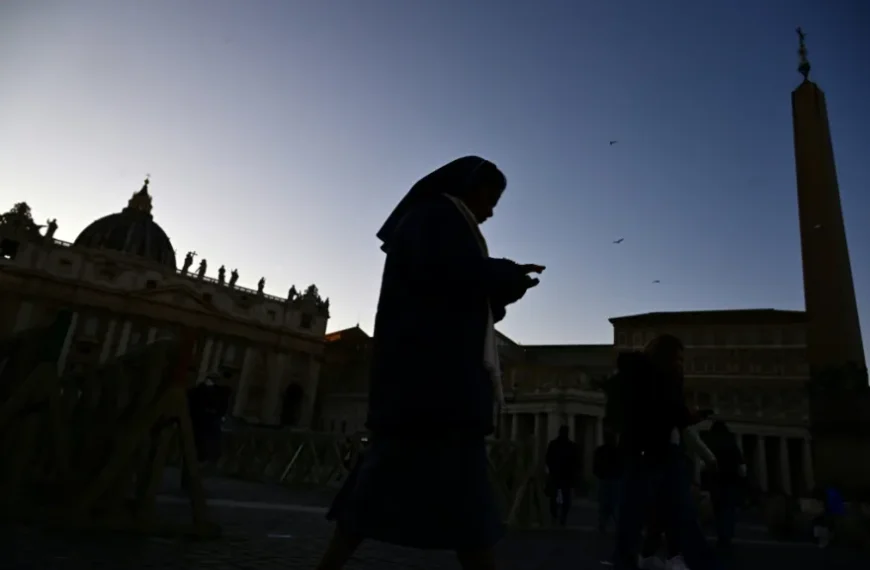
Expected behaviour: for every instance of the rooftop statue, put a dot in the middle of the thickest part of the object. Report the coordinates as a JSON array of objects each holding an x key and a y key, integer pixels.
[
  {"x": 50, "y": 228},
  {"x": 188, "y": 261}
]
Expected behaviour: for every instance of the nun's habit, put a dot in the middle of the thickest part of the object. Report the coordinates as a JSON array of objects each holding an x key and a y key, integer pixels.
[{"x": 423, "y": 482}]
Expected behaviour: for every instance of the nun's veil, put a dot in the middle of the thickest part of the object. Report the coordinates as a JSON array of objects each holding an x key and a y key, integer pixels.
[{"x": 454, "y": 178}]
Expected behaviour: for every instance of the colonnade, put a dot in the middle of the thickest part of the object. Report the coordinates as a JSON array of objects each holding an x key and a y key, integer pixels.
[
  {"x": 778, "y": 460},
  {"x": 586, "y": 429}
]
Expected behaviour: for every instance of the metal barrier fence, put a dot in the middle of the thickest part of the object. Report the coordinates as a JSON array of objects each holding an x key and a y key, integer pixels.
[{"x": 90, "y": 450}]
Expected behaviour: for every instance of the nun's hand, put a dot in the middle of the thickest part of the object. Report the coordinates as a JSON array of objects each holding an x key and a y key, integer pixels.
[
  {"x": 530, "y": 282},
  {"x": 532, "y": 268}
]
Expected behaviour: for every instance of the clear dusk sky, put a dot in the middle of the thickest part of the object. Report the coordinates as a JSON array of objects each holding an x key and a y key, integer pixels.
[{"x": 280, "y": 133}]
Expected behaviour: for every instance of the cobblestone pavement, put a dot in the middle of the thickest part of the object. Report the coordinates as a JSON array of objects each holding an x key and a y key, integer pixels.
[
  {"x": 234, "y": 489},
  {"x": 227, "y": 490},
  {"x": 267, "y": 539}
]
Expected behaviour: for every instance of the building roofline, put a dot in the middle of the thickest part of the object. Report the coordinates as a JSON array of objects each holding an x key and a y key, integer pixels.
[
  {"x": 334, "y": 335},
  {"x": 714, "y": 316},
  {"x": 563, "y": 346}
]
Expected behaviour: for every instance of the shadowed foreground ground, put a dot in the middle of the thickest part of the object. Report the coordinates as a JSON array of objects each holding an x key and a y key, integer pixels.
[
  {"x": 269, "y": 528},
  {"x": 273, "y": 540}
]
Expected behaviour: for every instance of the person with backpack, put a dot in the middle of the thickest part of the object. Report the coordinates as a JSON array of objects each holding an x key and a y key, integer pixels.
[
  {"x": 725, "y": 481},
  {"x": 645, "y": 403}
]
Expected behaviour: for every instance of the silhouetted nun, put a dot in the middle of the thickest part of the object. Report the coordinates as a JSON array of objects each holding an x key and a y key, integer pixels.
[{"x": 423, "y": 481}]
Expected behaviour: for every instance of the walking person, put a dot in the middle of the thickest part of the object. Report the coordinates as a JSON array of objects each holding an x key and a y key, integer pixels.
[
  {"x": 562, "y": 455},
  {"x": 208, "y": 403},
  {"x": 423, "y": 482},
  {"x": 649, "y": 410},
  {"x": 607, "y": 466},
  {"x": 659, "y": 537},
  {"x": 725, "y": 481}
]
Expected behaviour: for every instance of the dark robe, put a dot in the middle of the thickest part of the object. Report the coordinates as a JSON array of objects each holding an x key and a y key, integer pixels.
[
  {"x": 423, "y": 482},
  {"x": 428, "y": 374}
]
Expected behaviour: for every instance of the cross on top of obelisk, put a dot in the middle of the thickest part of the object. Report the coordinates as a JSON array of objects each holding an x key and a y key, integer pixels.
[{"x": 804, "y": 66}]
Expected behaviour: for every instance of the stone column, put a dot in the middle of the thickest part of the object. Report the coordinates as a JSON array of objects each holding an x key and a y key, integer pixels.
[
  {"x": 218, "y": 353},
  {"x": 310, "y": 393},
  {"x": 22, "y": 319},
  {"x": 124, "y": 339},
  {"x": 588, "y": 447},
  {"x": 599, "y": 431},
  {"x": 761, "y": 463},
  {"x": 67, "y": 343},
  {"x": 572, "y": 428},
  {"x": 270, "y": 410},
  {"x": 809, "y": 475},
  {"x": 554, "y": 423},
  {"x": 106, "y": 349},
  {"x": 204, "y": 360},
  {"x": 540, "y": 435},
  {"x": 241, "y": 396},
  {"x": 515, "y": 426},
  {"x": 784, "y": 469},
  {"x": 152, "y": 335},
  {"x": 738, "y": 439}
]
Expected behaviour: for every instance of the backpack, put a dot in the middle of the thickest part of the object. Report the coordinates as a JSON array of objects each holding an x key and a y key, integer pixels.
[
  {"x": 616, "y": 402},
  {"x": 621, "y": 389}
]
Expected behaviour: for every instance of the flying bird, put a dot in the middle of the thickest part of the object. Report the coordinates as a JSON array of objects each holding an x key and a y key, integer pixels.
[
  {"x": 618, "y": 241},
  {"x": 656, "y": 281},
  {"x": 613, "y": 143}
]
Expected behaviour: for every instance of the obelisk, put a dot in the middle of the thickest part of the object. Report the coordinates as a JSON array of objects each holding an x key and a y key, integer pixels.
[{"x": 833, "y": 328}]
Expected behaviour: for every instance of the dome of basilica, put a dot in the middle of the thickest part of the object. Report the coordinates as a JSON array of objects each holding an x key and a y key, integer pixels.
[{"x": 132, "y": 231}]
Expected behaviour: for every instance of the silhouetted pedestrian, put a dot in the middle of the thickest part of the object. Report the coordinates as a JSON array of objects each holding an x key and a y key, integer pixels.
[
  {"x": 725, "y": 481},
  {"x": 208, "y": 404},
  {"x": 659, "y": 536},
  {"x": 562, "y": 454},
  {"x": 607, "y": 466},
  {"x": 423, "y": 482},
  {"x": 650, "y": 411}
]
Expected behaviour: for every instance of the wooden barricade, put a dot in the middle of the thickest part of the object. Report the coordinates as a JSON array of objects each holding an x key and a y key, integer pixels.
[{"x": 89, "y": 451}]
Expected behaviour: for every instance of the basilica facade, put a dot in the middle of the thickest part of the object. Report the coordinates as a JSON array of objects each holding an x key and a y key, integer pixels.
[{"x": 121, "y": 279}]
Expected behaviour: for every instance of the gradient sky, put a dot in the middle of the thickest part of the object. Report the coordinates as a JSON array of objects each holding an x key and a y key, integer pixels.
[{"x": 280, "y": 133}]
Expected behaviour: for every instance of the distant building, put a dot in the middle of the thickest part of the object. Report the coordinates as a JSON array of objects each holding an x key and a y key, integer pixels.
[
  {"x": 748, "y": 366},
  {"x": 342, "y": 398},
  {"x": 121, "y": 279}
]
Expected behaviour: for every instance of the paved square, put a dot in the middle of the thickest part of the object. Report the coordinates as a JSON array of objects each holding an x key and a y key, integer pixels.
[{"x": 268, "y": 539}]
